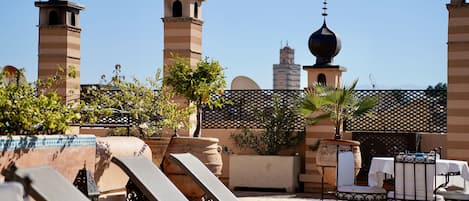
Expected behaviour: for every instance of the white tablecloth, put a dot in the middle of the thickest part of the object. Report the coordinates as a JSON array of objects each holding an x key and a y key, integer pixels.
[{"x": 385, "y": 165}]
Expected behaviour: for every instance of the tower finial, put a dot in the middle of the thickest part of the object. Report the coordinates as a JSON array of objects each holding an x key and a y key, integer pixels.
[{"x": 324, "y": 10}]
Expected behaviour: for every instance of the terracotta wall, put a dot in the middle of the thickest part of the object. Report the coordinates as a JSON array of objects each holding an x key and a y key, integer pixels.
[{"x": 67, "y": 154}]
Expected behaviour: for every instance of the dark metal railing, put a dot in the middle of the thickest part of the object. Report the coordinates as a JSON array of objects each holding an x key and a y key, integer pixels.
[{"x": 396, "y": 111}]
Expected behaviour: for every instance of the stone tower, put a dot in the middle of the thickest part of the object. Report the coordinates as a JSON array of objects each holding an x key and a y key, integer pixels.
[
  {"x": 287, "y": 73},
  {"x": 458, "y": 82},
  {"x": 182, "y": 30},
  {"x": 59, "y": 44}
]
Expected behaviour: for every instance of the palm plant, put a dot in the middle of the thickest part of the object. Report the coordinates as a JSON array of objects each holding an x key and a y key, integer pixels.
[{"x": 336, "y": 104}]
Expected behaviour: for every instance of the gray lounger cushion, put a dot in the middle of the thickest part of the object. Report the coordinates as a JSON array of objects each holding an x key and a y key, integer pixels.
[
  {"x": 49, "y": 185},
  {"x": 203, "y": 176},
  {"x": 149, "y": 179}
]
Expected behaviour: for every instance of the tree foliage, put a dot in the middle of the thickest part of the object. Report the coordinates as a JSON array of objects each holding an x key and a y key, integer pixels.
[
  {"x": 149, "y": 103},
  {"x": 279, "y": 132},
  {"x": 35, "y": 108},
  {"x": 197, "y": 84}
]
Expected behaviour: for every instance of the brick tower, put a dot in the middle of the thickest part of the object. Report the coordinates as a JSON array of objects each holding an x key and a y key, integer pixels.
[
  {"x": 183, "y": 30},
  {"x": 458, "y": 80},
  {"x": 59, "y": 44}
]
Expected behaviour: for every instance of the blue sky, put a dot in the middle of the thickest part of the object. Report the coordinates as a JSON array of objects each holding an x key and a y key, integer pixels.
[{"x": 400, "y": 43}]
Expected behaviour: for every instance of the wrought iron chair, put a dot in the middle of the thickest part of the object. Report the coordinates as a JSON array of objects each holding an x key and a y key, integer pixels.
[
  {"x": 451, "y": 193},
  {"x": 346, "y": 188},
  {"x": 458, "y": 189},
  {"x": 414, "y": 177}
]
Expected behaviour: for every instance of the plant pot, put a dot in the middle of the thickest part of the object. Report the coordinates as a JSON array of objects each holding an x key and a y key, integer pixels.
[
  {"x": 205, "y": 149},
  {"x": 326, "y": 157},
  {"x": 264, "y": 171},
  {"x": 158, "y": 146},
  {"x": 108, "y": 176}
]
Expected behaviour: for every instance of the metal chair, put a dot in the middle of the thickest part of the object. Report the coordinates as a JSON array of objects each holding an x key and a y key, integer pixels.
[
  {"x": 414, "y": 177},
  {"x": 457, "y": 191},
  {"x": 345, "y": 180}
]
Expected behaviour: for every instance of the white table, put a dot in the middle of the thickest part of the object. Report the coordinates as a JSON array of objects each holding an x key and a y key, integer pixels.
[{"x": 385, "y": 165}]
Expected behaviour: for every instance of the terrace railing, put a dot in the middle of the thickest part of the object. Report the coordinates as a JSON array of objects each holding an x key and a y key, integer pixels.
[
  {"x": 242, "y": 112},
  {"x": 404, "y": 111}
]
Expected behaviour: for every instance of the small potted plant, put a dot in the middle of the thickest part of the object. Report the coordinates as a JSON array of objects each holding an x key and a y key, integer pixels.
[
  {"x": 337, "y": 105},
  {"x": 269, "y": 168}
]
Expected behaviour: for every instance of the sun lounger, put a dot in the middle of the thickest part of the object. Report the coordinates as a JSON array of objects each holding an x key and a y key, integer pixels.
[
  {"x": 204, "y": 177},
  {"x": 149, "y": 179},
  {"x": 45, "y": 184},
  {"x": 11, "y": 191}
]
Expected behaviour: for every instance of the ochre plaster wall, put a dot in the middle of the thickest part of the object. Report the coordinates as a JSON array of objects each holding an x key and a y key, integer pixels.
[{"x": 66, "y": 154}]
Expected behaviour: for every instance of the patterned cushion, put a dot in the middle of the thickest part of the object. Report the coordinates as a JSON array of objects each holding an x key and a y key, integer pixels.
[
  {"x": 435, "y": 197},
  {"x": 354, "y": 192}
]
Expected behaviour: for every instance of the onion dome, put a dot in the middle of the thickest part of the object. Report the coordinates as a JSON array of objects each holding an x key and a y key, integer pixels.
[{"x": 325, "y": 45}]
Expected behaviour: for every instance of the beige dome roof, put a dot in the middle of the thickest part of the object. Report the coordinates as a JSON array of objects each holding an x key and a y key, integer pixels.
[{"x": 244, "y": 83}]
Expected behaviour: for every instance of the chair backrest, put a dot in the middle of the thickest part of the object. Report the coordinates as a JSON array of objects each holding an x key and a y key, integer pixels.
[
  {"x": 345, "y": 168},
  {"x": 149, "y": 179},
  {"x": 415, "y": 178},
  {"x": 203, "y": 177},
  {"x": 46, "y": 184}
]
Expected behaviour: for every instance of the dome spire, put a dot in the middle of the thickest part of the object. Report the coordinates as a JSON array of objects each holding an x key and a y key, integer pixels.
[
  {"x": 324, "y": 10},
  {"x": 324, "y": 44}
]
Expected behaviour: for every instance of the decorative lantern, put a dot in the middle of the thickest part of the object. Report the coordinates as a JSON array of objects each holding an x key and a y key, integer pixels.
[{"x": 84, "y": 181}]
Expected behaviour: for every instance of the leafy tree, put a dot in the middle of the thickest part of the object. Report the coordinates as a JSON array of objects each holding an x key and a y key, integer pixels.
[
  {"x": 197, "y": 85},
  {"x": 34, "y": 108},
  {"x": 149, "y": 103},
  {"x": 438, "y": 86},
  {"x": 336, "y": 104}
]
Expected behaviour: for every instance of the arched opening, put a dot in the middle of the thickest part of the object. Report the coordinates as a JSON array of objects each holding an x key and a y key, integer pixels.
[
  {"x": 196, "y": 10},
  {"x": 177, "y": 9},
  {"x": 322, "y": 79},
  {"x": 72, "y": 19},
  {"x": 53, "y": 18}
]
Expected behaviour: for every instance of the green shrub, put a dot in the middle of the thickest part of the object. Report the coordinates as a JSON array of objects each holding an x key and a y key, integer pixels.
[
  {"x": 279, "y": 132},
  {"x": 26, "y": 110}
]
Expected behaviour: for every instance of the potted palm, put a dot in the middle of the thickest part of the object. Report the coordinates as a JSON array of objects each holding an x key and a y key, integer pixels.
[
  {"x": 269, "y": 168},
  {"x": 337, "y": 105}
]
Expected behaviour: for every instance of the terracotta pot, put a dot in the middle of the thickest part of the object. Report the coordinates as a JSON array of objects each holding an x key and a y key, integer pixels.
[
  {"x": 158, "y": 146},
  {"x": 109, "y": 176},
  {"x": 205, "y": 149},
  {"x": 326, "y": 156}
]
